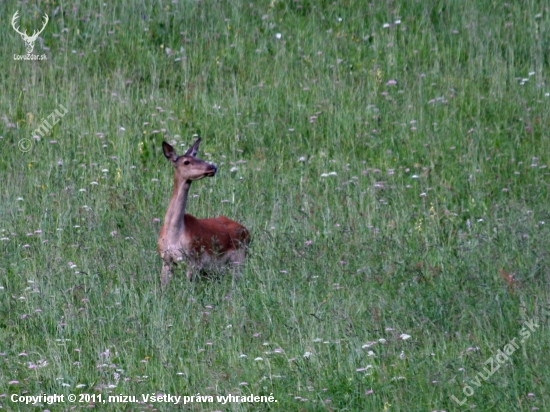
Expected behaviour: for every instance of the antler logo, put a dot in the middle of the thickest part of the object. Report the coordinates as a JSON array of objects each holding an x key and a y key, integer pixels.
[{"x": 29, "y": 40}]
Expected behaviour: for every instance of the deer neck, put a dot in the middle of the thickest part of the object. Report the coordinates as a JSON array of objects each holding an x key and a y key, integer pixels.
[{"x": 174, "y": 219}]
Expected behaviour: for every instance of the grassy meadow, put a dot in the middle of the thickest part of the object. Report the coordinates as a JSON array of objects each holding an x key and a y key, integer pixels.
[{"x": 390, "y": 159}]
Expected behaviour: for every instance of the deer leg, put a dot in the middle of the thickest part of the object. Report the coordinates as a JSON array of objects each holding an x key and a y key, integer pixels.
[
  {"x": 166, "y": 273},
  {"x": 193, "y": 272},
  {"x": 237, "y": 261}
]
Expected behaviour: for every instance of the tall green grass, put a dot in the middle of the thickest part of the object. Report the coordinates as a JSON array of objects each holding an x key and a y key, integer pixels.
[{"x": 389, "y": 159}]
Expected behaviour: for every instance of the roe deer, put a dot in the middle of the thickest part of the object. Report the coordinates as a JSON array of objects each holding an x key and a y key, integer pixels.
[{"x": 201, "y": 243}]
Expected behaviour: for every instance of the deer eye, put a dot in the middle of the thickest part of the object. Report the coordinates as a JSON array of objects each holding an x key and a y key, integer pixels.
[{"x": 186, "y": 162}]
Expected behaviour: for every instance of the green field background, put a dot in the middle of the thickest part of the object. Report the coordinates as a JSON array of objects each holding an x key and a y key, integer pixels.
[{"x": 390, "y": 159}]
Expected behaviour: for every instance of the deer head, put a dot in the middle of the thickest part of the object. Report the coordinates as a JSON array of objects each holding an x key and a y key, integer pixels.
[
  {"x": 189, "y": 167},
  {"x": 29, "y": 40}
]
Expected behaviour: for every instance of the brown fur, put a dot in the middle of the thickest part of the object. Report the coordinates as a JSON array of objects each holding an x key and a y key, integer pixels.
[
  {"x": 198, "y": 242},
  {"x": 213, "y": 236}
]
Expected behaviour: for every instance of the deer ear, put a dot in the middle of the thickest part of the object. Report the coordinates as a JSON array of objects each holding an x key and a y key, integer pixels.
[
  {"x": 193, "y": 150},
  {"x": 169, "y": 152}
]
